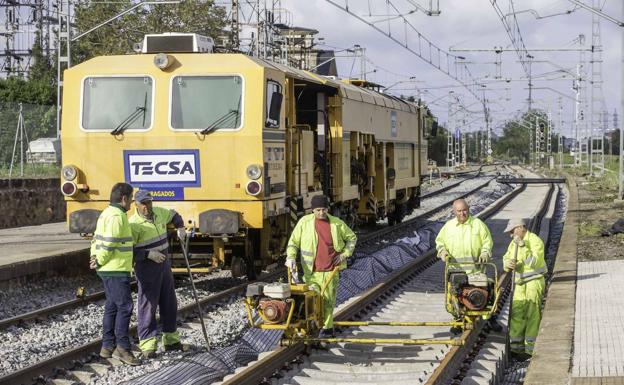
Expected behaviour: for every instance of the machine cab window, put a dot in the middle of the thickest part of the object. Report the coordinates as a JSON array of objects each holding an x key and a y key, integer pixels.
[
  {"x": 117, "y": 103},
  {"x": 274, "y": 98},
  {"x": 206, "y": 103}
]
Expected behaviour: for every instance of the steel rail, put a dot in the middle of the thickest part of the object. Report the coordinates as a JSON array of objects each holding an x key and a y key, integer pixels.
[
  {"x": 281, "y": 356},
  {"x": 40, "y": 313},
  {"x": 530, "y": 180},
  {"x": 450, "y": 186},
  {"x": 29, "y": 374},
  {"x": 450, "y": 173},
  {"x": 56, "y": 308}
]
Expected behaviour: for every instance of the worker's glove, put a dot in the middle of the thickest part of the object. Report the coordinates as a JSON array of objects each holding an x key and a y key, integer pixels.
[
  {"x": 291, "y": 265},
  {"x": 484, "y": 257},
  {"x": 156, "y": 256},
  {"x": 443, "y": 254},
  {"x": 510, "y": 265},
  {"x": 182, "y": 234},
  {"x": 518, "y": 241},
  {"x": 340, "y": 261},
  {"x": 93, "y": 262}
]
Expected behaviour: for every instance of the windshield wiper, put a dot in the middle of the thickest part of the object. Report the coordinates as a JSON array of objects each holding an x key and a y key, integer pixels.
[
  {"x": 121, "y": 127},
  {"x": 222, "y": 119}
]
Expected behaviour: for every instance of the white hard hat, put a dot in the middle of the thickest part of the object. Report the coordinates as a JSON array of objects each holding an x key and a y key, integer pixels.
[{"x": 513, "y": 223}]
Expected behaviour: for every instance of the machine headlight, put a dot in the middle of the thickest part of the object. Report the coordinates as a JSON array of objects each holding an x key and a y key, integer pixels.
[
  {"x": 254, "y": 171},
  {"x": 162, "y": 61},
  {"x": 253, "y": 187},
  {"x": 69, "y": 172},
  {"x": 69, "y": 189}
]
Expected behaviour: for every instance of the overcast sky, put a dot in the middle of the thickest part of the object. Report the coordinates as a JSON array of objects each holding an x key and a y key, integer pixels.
[{"x": 472, "y": 24}]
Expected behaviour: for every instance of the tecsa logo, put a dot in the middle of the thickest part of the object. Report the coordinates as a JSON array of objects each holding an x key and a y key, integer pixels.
[{"x": 163, "y": 168}]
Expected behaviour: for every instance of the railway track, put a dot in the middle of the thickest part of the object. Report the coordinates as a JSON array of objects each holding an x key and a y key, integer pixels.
[
  {"x": 405, "y": 295},
  {"x": 411, "y": 222},
  {"x": 99, "y": 296},
  {"x": 451, "y": 185},
  {"x": 87, "y": 351}
]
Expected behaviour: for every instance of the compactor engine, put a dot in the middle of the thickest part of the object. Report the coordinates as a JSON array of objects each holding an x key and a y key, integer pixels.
[
  {"x": 472, "y": 290},
  {"x": 294, "y": 308},
  {"x": 474, "y": 295},
  {"x": 273, "y": 300}
]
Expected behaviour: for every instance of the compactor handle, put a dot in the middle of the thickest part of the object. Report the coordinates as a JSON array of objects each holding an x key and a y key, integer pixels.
[
  {"x": 328, "y": 280},
  {"x": 293, "y": 276}
]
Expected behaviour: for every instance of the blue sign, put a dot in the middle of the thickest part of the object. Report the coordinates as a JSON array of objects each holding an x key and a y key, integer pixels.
[
  {"x": 166, "y": 193},
  {"x": 162, "y": 168}
]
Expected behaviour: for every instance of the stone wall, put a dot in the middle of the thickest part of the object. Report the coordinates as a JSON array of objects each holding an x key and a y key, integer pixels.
[{"x": 29, "y": 202}]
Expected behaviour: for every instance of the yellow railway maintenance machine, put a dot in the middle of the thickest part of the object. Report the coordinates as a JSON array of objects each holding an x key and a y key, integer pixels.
[
  {"x": 237, "y": 145},
  {"x": 296, "y": 308}
]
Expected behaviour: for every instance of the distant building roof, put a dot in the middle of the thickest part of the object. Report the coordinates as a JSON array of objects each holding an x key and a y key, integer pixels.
[{"x": 286, "y": 30}]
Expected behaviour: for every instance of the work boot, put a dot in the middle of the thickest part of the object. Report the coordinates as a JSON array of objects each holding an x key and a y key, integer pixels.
[
  {"x": 106, "y": 352},
  {"x": 177, "y": 347},
  {"x": 326, "y": 333},
  {"x": 125, "y": 356},
  {"x": 455, "y": 330},
  {"x": 520, "y": 357}
]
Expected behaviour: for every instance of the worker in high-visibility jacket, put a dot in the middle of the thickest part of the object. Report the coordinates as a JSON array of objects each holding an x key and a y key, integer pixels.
[
  {"x": 111, "y": 257},
  {"x": 529, "y": 268},
  {"x": 152, "y": 266},
  {"x": 324, "y": 242},
  {"x": 464, "y": 241}
]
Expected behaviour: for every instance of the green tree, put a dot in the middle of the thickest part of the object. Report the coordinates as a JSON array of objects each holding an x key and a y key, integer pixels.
[
  {"x": 119, "y": 36},
  {"x": 515, "y": 142},
  {"x": 436, "y": 146},
  {"x": 613, "y": 143},
  {"x": 41, "y": 69}
]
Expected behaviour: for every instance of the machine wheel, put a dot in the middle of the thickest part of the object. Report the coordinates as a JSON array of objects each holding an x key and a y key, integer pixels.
[
  {"x": 391, "y": 219},
  {"x": 238, "y": 267},
  {"x": 400, "y": 213}
]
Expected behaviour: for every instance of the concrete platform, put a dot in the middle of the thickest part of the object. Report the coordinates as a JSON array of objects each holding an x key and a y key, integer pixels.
[
  {"x": 43, "y": 249},
  {"x": 598, "y": 338}
]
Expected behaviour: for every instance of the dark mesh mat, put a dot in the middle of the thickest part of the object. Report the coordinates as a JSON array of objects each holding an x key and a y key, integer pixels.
[{"x": 205, "y": 368}]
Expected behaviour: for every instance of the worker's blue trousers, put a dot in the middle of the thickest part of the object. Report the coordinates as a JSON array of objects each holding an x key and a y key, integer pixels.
[
  {"x": 156, "y": 290},
  {"x": 117, "y": 312}
]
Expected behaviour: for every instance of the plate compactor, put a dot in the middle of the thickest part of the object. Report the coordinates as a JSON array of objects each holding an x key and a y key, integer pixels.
[
  {"x": 296, "y": 308},
  {"x": 472, "y": 295}
]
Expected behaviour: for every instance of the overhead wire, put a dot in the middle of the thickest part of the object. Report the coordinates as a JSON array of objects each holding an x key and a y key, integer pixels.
[{"x": 430, "y": 47}]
